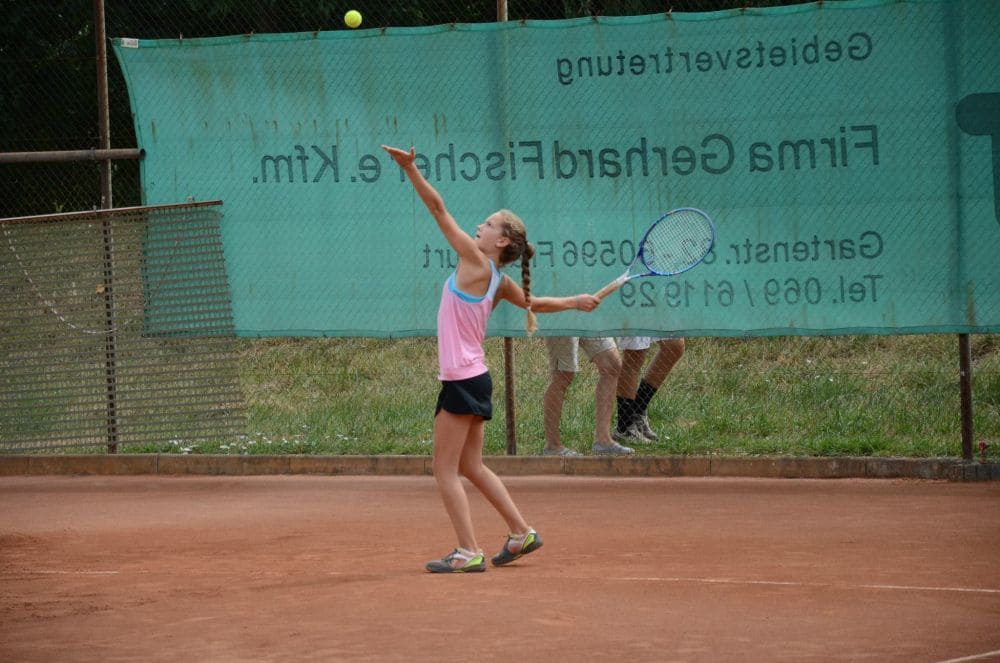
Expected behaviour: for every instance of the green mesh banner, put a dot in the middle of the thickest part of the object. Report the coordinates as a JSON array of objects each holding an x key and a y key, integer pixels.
[{"x": 847, "y": 151}]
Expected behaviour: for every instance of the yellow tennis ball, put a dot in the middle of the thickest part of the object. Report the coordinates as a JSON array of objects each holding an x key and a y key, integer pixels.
[{"x": 352, "y": 18}]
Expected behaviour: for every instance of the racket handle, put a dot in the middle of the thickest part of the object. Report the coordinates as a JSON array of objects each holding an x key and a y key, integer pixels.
[{"x": 611, "y": 287}]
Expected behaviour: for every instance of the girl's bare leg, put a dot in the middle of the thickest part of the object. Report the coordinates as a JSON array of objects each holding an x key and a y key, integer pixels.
[
  {"x": 451, "y": 432},
  {"x": 488, "y": 483}
]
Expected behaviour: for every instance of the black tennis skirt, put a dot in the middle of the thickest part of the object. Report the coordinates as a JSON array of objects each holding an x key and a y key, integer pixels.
[{"x": 470, "y": 396}]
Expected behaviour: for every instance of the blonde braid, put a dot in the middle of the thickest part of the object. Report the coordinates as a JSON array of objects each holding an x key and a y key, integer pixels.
[
  {"x": 531, "y": 324},
  {"x": 519, "y": 247}
]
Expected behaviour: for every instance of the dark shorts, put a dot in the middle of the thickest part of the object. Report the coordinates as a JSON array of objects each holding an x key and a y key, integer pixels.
[{"x": 469, "y": 396}]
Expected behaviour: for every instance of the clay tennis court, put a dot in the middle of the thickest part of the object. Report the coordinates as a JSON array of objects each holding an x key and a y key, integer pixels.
[{"x": 330, "y": 568}]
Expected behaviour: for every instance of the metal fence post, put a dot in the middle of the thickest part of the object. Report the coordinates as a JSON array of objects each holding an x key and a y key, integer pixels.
[
  {"x": 508, "y": 343},
  {"x": 965, "y": 389},
  {"x": 107, "y": 227}
]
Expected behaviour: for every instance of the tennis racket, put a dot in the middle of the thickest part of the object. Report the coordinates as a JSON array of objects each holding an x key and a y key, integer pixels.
[{"x": 676, "y": 242}]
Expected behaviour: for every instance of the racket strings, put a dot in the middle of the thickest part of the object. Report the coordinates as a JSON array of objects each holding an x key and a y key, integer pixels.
[{"x": 677, "y": 242}]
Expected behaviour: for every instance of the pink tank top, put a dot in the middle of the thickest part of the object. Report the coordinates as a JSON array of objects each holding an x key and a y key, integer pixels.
[{"x": 461, "y": 323}]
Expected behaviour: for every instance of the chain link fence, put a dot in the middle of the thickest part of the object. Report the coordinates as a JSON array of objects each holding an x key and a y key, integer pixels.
[
  {"x": 117, "y": 330},
  {"x": 365, "y": 395},
  {"x": 49, "y": 70}
]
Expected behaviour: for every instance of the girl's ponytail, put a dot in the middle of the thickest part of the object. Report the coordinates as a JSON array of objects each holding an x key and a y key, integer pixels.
[
  {"x": 531, "y": 325},
  {"x": 520, "y": 247}
]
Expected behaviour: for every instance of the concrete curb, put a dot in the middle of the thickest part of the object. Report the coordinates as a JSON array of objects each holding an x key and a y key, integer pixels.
[{"x": 777, "y": 467}]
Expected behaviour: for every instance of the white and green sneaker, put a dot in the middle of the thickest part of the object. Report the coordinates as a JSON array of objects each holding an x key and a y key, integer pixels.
[
  {"x": 459, "y": 560},
  {"x": 517, "y": 546}
]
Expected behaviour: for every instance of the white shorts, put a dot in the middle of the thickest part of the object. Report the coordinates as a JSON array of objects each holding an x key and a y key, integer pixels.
[
  {"x": 640, "y": 342},
  {"x": 564, "y": 351}
]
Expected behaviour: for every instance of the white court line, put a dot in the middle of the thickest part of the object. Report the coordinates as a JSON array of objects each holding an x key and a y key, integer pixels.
[
  {"x": 974, "y": 657},
  {"x": 784, "y": 583},
  {"x": 972, "y": 590},
  {"x": 30, "y": 572},
  {"x": 678, "y": 579}
]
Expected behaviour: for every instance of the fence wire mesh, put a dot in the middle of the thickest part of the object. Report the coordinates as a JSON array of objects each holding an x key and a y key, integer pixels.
[
  {"x": 180, "y": 382},
  {"x": 116, "y": 330},
  {"x": 48, "y": 70}
]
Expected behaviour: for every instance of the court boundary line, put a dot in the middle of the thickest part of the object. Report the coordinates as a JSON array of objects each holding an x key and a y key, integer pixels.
[
  {"x": 974, "y": 657},
  {"x": 653, "y": 579},
  {"x": 795, "y": 583}
]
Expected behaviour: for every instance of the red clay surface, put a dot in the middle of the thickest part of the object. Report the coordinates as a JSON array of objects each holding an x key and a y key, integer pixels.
[{"x": 307, "y": 568}]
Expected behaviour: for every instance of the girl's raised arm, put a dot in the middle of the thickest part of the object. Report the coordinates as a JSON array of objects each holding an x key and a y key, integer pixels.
[{"x": 459, "y": 240}]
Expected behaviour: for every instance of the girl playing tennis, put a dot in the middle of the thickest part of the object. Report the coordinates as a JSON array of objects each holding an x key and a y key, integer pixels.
[{"x": 465, "y": 402}]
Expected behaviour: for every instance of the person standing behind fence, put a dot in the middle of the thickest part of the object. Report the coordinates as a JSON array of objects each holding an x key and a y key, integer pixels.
[
  {"x": 564, "y": 363},
  {"x": 634, "y": 394},
  {"x": 464, "y": 403}
]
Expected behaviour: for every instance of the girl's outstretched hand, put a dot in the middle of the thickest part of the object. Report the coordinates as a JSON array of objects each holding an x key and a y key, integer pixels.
[
  {"x": 587, "y": 302},
  {"x": 403, "y": 157}
]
